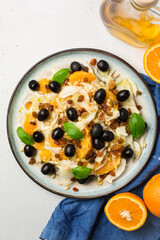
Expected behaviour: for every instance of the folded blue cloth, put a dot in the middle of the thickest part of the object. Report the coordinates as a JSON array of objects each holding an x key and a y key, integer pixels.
[{"x": 85, "y": 219}]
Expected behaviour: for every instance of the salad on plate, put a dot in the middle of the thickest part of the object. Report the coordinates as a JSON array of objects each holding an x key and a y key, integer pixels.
[{"x": 83, "y": 124}]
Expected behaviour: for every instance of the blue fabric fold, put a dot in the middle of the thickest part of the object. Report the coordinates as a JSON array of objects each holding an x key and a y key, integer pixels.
[{"x": 85, "y": 219}]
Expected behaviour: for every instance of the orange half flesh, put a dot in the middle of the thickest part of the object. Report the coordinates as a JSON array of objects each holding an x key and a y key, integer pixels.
[
  {"x": 126, "y": 211},
  {"x": 151, "y": 62}
]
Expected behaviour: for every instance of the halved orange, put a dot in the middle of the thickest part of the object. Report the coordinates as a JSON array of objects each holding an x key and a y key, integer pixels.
[
  {"x": 151, "y": 62},
  {"x": 126, "y": 211}
]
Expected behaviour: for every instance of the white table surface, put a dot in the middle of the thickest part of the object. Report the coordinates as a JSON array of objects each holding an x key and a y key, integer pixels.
[{"x": 29, "y": 31}]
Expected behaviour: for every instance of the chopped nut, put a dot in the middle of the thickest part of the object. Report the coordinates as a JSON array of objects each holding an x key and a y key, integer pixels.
[
  {"x": 46, "y": 86},
  {"x": 21, "y": 149},
  {"x": 80, "y": 163},
  {"x": 110, "y": 114},
  {"x": 80, "y": 98},
  {"x": 73, "y": 179},
  {"x": 33, "y": 123},
  {"x": 120, "y": 105},
  {"x": 99, "y": 154},
  {"x": 111, "y": 84},
  {"x": 66, "y": 188},
  {"x": 69, "y": 101},
  {"x": 100, "y": 183},
  {"x": 120, "y": 140},
  {"x": 59, "y": 183},
  {"x": 34, "y": 114},
  {"x": 75, "y": 189},
  {"x": 89, "y": 154},
  {"x": 115, "y": 91},
  {"x": 32, "y": 161},
  {"x": 139, "y": 107},
  {"x": 93, "y": 62},
  {"x": 103, "y": 176},
  {"x": 85, "y": 80},
  {"x": 112, "y": 173},
  {"x": 101, "y": 116},
  {"x": 115, "y": 75},
  {"x": 80, "y": 111},
  {"x": 85, "y": 69},
  {"x": 57, "y": 143},
  {"x": 129, "y": 111},
  {"x": 116, "y": 147},
  {"x": 51, "y": 108},
  {"x": 139, "y": 92}
]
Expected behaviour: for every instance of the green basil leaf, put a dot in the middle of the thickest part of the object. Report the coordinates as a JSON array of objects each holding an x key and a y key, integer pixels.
[
  {"x": 81, "y": 172},
  {"x": 136, "y": 125},
  {"x": 72, "y": 130},
  {"x": 61, "y": 75},
  {"x": 24, "y": 137}
]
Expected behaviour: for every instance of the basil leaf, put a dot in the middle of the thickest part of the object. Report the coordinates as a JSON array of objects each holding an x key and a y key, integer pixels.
[
  {"x": 81, "y": 172},
  {"x": 24, "y": 137},
  {"x": 136, "y": 125},
  {"x": 72, "y": 130},
  {"x": 61, "y": 75}
]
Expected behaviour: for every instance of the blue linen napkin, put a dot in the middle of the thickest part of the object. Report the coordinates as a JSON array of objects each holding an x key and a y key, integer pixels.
[{"x": 85, "y": 219}]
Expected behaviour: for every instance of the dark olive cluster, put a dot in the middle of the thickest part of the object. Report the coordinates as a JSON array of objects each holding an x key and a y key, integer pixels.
[{"x": 100, "y": 136}]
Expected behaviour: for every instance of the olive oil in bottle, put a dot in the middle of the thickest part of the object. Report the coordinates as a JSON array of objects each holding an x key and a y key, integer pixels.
[{"x": 136, "y": 22}]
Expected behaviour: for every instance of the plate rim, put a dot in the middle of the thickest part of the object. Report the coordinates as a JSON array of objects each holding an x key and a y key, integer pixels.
[{"x": 79, "y": 50}]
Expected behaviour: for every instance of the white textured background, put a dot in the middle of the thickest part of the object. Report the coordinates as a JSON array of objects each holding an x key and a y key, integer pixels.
[{"x": 29, "y": 31}]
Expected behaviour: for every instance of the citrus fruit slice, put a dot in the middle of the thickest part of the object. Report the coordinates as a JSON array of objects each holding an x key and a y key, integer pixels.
[
  {"x": 151, "y": 62},
  {"x": 79, "y": 76},
  {"x": 126, "y": 211},
  {"x": 151, "y": 195}
]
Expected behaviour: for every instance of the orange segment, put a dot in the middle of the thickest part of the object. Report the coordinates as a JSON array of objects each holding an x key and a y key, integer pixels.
[
  {"x": 86, "y": 145},
  {"x": 45, "y": 155},
  {"x": 127, "y": 211},
  {"x": 28, "y": 124},
  {"x": 52, "y": 143},
  {"x": 151, "y": 62},
  {"x": 109, "y": 166},
  {"x": 39, "y": 146},
  {"x": 110, "y": 95},
  {"x": 79, "y": 76},
  {"x": 151, "y": 195},
  {"x": 43, "y": 83}
]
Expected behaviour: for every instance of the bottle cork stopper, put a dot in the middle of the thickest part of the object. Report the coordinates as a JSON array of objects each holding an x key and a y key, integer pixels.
[{"x": 146, "y": 3}]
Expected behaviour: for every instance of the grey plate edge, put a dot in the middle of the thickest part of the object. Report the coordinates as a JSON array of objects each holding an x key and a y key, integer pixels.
[{"x": 77, "y": 50}]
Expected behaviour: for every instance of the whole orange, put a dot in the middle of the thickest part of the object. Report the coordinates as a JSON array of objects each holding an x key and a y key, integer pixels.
[{"x": 151, "y": 195}]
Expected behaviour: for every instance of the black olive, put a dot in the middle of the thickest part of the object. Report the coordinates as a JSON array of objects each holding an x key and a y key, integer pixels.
[
  {"x": 81, "y": 181},
  {"x": 123, "y": 95},
  {"x": 96, "y": 131},
  {"x": 127, "y": 153},
  {"x": 48, "y": 168},
  {"x": 98, "y": 143},
  {"x": 54, "y": 86},
  {"x": 75, "y": 66},
  {"x": 72, "y": 114},
  {"x": 33, "y": 85},
  {"x": 43, "y": 114},
  {"x": 100, "y": 96},
  {"x": 70, "y": 150},
  {"x": 29, "y": 151},
  {"x": 103, "y": 66},
  {"x": 57, "y": 133},
  {"x": 107, "y": 136},
  {"x": 123, "y": 115},
  {"x": 38, "y": 137}
]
